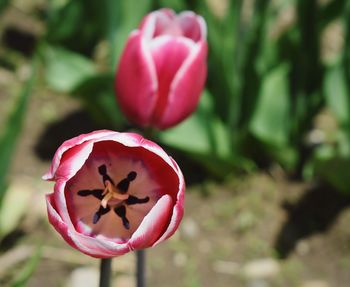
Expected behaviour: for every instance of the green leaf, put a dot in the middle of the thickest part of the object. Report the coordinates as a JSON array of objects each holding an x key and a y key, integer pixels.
[
  {"x": 3, "y": 4},
  {"x": 76, "y": 25},
  {"x": 122, "y": 18},
  {"x": 202, "y": 133},
  {"x": 224, "y": 57},
  {"x": 331, "y": 161},
  {"x": 26, "y": 272},
  {"x": 71, "y": 11},
  {"x": 270, "y": 119},
  {"x": 204, "y": 138},
  {"x": 335, "y": 171},
  {"x": 179, "y": 138},
  {"x": 12, "y": 130},
  {"x": 173, "y": 4},
  {"x": 336, "y": 93},
  {"x": 65, "y": 70}
]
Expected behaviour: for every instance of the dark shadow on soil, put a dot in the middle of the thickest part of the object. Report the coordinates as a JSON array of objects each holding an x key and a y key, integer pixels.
[
  {"x": 11, "y": 239},
  {"x": 315, "y": 212},
  {"x": 55, "y": 134},
  {"x": 20, "y": 41}
]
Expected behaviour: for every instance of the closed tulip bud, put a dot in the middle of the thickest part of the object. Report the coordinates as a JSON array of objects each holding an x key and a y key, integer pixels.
[
  {"x": 114, "y": 193},
  {"x": 162, "y": 69}
]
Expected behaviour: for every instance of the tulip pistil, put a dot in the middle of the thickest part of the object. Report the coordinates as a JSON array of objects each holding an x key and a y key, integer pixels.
[
  {"x": 115, "y": 191},
  {"x": 110, "y": 192}
]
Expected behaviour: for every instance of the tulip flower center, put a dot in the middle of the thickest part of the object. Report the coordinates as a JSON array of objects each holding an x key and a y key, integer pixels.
[
  {"x": 113, "y": 196},
  {"x": 113, "y": 192}
]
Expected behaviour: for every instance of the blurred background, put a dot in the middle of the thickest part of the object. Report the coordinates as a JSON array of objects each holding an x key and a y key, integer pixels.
[{"x": 267, "y": 164}]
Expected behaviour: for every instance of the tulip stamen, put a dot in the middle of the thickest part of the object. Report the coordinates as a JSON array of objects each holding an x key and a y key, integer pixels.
[
  {"x": 121, "y": 212},
  {"x": 101, "y": 211},
  {"x": 134, "y": 200},
  {"x": 123, "y": 185},
  {"x": 95, "y": 192},
  {"x": 102, "y": 169}
]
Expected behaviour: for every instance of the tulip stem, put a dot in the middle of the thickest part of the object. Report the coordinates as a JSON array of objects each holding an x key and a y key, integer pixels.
[
  {"x": 140, "y": 266},
  {"x": 105, "y": 272}
]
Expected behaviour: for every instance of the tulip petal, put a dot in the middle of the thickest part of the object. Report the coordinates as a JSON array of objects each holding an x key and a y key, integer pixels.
[
  {"x": 59, "y": 198},
  {"x": 169, "y": 54},
  {"x": 156, "y": 22},
  {"x": 72, "y": 160},
  {"x": 193, "y": 26},
  {"x": 137, "y": 141},
  {"x": 186, "y": 88},
  {"x": 88, "y": 245},
  {"x": 153, "y": 225},
  {"x": 50, "y": 175},
  {"x": 178, "y": 209},
  {"x": 136, "y": 81},
  {"x": 56, "y": 220},
  {"x": 99, "y": 247}
]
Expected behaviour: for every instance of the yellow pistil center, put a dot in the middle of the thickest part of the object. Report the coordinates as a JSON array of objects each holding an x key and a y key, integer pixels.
[{"x": 111, "y": 192}]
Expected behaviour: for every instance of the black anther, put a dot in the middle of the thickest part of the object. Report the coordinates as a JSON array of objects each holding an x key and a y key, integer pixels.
[
  {"x": 101, "y": 211},
  {"x": 95, "y": 192},
  {"x": 132, "y": 175},
  {"x": 102, "y": 169},
  {"x": 134, "y": 200},
  {"x": 123, "y": 185},
  {"x": 121, "y": 212}
]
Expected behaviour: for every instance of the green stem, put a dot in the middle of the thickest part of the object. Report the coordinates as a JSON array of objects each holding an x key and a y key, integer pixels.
[
  {"x": 140, "y": 266},
  {"x": 105, "y": 272}
]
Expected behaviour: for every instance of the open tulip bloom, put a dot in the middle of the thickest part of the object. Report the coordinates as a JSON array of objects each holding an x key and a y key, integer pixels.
[
  {"x": 114, "y": 192},
  {"x": 163, "y": 68}
]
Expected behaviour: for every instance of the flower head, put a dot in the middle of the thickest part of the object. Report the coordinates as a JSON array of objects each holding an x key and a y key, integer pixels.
[
  {"x": 114, "y": 192},
  {"x": 163, "y": 68}
]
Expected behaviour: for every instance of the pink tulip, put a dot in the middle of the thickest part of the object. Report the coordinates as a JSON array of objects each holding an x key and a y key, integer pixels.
[
  {"x": 114, "y": 192},
  {"x": 163, "y": 68}
]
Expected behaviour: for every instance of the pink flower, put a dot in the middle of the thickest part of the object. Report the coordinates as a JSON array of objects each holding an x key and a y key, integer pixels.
[
  {"x": 114, "y": 192},
  {"x": 163, "y": 68}
]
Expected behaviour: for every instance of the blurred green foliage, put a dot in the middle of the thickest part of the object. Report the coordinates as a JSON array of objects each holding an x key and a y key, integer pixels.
[
  {"x": 22, "y": 277},
  {"x": 275, "y": 69},
  {"x": 11, "y": 132}
]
